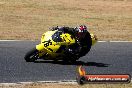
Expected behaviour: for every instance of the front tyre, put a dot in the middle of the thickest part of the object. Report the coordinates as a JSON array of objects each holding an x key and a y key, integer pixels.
[{"x": 31, "y": 55}]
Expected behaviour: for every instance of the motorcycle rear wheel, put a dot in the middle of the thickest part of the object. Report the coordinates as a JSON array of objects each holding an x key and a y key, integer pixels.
[{"x": 31, "y": 55}]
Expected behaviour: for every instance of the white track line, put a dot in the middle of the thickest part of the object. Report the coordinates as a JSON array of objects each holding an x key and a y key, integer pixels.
[
  {"x": 46, "y": 82},
  {"x": 10, "y": 40},
  {"x": 58, "y": 82},
  {"x": 35, "y": 40},
  {"x": 14, "y": 40},
  {"x": 120, "y": 41},
  {"x": 102, "y": 41},
  {"x": 115, "y": 41}
]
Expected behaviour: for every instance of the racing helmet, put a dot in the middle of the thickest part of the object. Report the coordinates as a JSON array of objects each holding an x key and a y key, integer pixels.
[
  {"x": 81, "y": 31},
  {"x": 82, "y": 28}
]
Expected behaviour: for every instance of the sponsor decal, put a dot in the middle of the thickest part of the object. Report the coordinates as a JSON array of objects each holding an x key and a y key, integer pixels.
[{"x": 83, "y": 78}]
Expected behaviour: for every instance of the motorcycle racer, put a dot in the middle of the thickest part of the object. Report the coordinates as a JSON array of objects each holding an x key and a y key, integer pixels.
[
  {"x": 82, "y": 37},
  {"x": 62, "y": 43},
  {"x": 78, "y": 32}
]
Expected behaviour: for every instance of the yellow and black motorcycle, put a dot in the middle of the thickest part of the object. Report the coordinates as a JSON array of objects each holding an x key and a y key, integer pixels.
[{"x": 55, "y": 45}]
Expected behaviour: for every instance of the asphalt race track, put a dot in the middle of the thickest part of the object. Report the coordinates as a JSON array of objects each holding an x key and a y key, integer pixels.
[{"x": 104, "y": 58}]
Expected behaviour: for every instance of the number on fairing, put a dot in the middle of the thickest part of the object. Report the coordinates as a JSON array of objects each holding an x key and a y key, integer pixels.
[{"x": 47, "y": 43}]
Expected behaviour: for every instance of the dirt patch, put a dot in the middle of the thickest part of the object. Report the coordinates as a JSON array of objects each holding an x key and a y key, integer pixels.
[{"x": 28, "y": 19}]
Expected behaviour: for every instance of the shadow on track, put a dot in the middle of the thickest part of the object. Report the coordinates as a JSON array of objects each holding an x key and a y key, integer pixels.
[{"x": 76, "y": 63}]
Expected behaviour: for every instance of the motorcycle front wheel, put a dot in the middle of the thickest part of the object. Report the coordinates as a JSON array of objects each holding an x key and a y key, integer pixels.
[{"x": 31, "y": 55}]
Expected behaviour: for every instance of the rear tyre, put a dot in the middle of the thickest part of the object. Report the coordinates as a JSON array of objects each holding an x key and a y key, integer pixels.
[{"x": 31, "y": 55}]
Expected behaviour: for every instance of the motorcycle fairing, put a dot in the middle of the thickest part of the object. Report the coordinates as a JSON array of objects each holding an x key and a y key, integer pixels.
[{"x": 51, "y": 41}]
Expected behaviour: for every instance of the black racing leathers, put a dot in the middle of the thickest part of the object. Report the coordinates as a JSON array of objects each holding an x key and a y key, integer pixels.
[{"x": 82, "y": 45}]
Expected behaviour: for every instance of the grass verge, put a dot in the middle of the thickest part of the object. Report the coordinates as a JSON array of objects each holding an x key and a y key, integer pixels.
[
  {"x": 28, "y": 19},
  {"x": 50, "y": 85}
]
